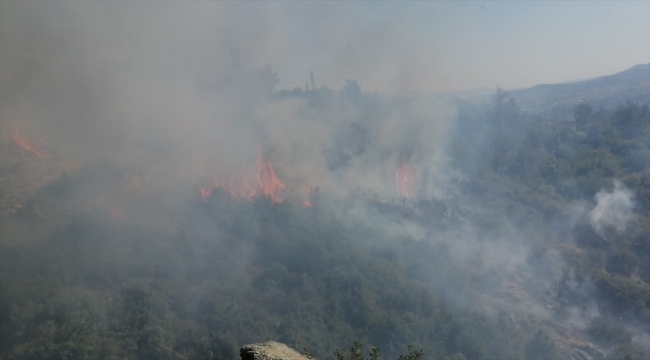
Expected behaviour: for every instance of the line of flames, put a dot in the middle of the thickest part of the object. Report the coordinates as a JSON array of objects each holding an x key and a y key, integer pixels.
[{"x": 265, "y": 184}]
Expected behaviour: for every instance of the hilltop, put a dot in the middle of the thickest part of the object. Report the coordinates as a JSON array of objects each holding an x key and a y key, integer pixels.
[
  {"x": 559, "y": 99},
  {"x": 608, "y": 91}
]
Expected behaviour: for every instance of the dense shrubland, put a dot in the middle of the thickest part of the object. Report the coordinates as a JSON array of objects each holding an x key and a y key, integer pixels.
[{"x": 238, "y": 272}]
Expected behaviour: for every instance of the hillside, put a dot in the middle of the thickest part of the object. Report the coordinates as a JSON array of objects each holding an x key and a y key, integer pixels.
[
  {"x": 531, "y": 239},
  {"x": 632, "y": 84},
  {"x": 180, "y": 179}
]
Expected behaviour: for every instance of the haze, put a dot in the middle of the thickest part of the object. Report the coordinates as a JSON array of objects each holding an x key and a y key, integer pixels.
[
  {"x": 449, "y": 46},
  {"x": 178, "y": 179}
]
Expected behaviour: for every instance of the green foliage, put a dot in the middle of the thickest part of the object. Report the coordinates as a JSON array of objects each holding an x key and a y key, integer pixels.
[
  {"x": 627, "y": 351},
  {"x": 412, "y": 354},
  {"x": 356, "y": 353},
  {"x": 157, "y": 296},
  {"x": 238, "y": 272},
  {"x": 624, "y": 292},
  {"x": 457, "y": 356},
  {"x": 608, "y": 331},
  {"x": 542, "y": 347}
]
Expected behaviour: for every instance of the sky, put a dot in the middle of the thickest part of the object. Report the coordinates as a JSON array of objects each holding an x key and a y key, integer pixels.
[
  {"x": 387, "y": 46},
  {"x": 106, "y": 72},
  {"x": 452, "y": 46}
]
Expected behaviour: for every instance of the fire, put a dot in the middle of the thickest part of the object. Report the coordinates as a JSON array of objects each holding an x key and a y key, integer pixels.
[
  {"x": 405, "y": 179},
  {"x": 117, "y": 213},
  {"x": 31, "y": 144},
  {"x": 308, "y": 195},
  {"x": 266, "y": 183},
  {"x": 206, "y": 191}
]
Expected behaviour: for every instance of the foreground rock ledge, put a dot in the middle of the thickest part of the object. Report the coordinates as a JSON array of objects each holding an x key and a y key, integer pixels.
[{"x": 271, "y": 350}]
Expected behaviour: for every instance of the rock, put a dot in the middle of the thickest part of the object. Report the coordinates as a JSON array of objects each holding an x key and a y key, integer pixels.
[{"x": 271, "y": 350}]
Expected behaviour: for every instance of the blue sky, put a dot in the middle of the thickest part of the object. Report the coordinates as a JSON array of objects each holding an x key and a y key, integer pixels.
[{"x": 447, "y": 46}]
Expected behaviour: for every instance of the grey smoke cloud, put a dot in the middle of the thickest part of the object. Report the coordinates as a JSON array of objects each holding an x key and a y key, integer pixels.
[
  {"x": 615, "y": 208},
  {"x": 181, "y": 89},
  {"x": 642, "y": 340},
  {"x": 159, "y": 86}
]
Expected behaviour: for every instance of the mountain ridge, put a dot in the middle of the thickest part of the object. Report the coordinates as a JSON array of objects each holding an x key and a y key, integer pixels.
[{"x": 632, "y": 84}]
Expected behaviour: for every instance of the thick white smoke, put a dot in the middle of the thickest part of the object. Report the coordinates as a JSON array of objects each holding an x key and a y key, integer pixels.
[{"x": 614, "y": 208}]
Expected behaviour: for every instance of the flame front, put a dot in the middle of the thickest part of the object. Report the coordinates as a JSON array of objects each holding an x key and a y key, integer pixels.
[
  {"x": 27, "y": 145},
  {"x": 405, "y": 179},
  {"x": 266, "y": 183}
]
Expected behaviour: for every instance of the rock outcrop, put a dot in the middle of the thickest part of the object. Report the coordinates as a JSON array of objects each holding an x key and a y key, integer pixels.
[{"x": 271, "y": 350}]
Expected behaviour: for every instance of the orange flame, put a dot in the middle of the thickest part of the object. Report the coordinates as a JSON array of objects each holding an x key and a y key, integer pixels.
[
  {"x": 27, "y": 145},
  {"x": 206, "y": 191},
  {"x": 266, "y": 184},
  {"x": 117, "y": 214},
  {"x": 308, "y": 196},
  {"x": 405, "y": 179}
]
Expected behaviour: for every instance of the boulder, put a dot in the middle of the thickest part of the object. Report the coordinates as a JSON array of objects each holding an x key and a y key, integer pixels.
[{"x": 271, "y": 350}]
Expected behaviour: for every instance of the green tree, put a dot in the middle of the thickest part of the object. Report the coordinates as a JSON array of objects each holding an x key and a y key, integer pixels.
[
  {"x": 356, "y": 353},
  {"x": 542, "y": 347}
]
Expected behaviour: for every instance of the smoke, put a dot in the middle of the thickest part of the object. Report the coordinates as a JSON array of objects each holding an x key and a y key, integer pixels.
[
  {"x": 580, "y": 318},
  {"x": 642, "y": 341},
  {"x": 182, "y": 90},
  {"x": 163, "y": 96},
  {"x": 614, "y": 208},
  {"x": 177, "y": 92},
  {"x": 121, "y": 81}
]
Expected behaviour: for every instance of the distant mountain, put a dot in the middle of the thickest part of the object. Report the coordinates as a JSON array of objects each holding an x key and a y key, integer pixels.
[
  {"x": 474, "y": 95},
  {"x": 632, "y": 84}
]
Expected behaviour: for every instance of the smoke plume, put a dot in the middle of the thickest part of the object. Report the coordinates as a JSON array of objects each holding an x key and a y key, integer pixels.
[{"x": 614, "y": 208}]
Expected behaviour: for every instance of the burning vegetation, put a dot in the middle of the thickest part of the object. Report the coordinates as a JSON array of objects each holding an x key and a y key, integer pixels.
[
  {"x": 264, "y": 183},
  {"x": 28, "y": 142},
  {"x": 405, "y": 178},
  {"x": 114, "y": 259},
  {"x": 147, "y": 238}
]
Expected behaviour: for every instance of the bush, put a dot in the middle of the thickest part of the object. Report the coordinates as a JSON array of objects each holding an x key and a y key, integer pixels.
[
  {"x": 607, "y": 331},
  {"x": 356, "y": 353}
]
